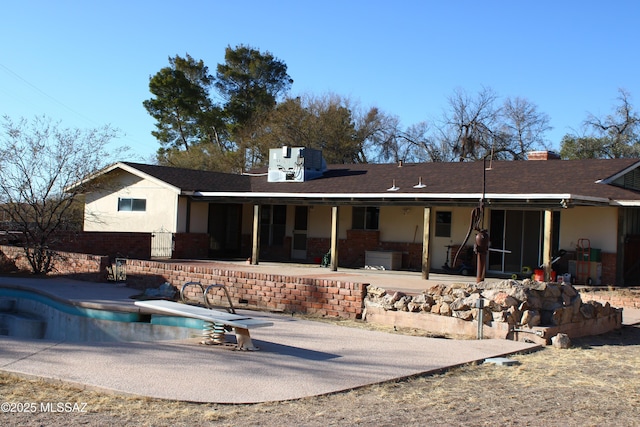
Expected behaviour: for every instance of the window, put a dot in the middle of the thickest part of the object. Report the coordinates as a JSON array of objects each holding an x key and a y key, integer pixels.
[
  {"x": 132, "y": 205},
  {"x": 443, "y": 224},
  {"x": 365, "y": 218}
]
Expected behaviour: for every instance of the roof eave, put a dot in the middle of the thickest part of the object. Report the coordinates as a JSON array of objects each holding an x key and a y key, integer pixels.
[
  {"x": 127, "y": 168},
  {"x": 559, "y": 200}
]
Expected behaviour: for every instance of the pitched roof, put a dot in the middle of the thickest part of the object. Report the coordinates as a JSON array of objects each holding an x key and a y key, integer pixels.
[
  {"x": 189, "y": 180},
  {"x": 504, "y": 180}
]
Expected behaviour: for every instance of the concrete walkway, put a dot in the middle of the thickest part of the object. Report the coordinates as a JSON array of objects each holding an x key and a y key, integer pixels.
[{"x": 297, "y": 358}]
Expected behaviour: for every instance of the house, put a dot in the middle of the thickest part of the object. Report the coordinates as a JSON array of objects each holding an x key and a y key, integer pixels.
[{"x": 402, "y": 216}]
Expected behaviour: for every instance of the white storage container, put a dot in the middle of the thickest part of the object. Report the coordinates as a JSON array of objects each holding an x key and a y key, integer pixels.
[{"x": 389, "y": 260}]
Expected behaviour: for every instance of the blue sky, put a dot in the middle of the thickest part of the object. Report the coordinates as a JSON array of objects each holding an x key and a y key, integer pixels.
[{"x": 88, "y": 63}]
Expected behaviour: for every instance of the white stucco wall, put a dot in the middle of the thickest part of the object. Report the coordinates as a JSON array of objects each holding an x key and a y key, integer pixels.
[
  {"x": 319, "y": 224},
  {"x": 401, "y": 224},
  {"x": 199, "y": 217},
  {"x": 599, "y": 225},
  {"x": 397, "y": 224},
  {"x": 101, "y": 209}
]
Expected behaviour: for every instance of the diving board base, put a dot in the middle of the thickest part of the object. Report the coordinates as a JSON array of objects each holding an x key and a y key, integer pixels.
[{"x": 211, "y": 336}]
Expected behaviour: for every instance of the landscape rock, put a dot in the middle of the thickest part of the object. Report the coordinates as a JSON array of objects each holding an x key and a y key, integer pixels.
[
  {"x": 445, "y": 309},
  {"x": 569, "y": 290},
  {"x": 588, "y": 310},
  {"x": 505, "y": 300},
  {"x": 552, "y": 291},
  {"x": 414, "y": 307},
  {"x": 463, "y": 314},
  {"x": 513, "y": 315},
  {"x": 460, "y": 304},
  {"x": 530, "y": 318},
  {"x": 396, "y": 297},
  {"x": 376, "y": 291},
  {"x": 402, "y": 303},
  {"x": 561, "y": 341},
  {"x": 534, "y": 302},
  {"x": 500, "y": 316}
]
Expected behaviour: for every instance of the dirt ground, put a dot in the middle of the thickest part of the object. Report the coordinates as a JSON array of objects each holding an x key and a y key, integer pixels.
[{"x": 596, "y": 382}]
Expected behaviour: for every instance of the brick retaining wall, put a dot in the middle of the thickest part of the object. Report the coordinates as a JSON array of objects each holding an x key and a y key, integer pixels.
[
  {"x": 315, "y": 296},
  {"x": 78, "y": 266},
  {"x": 609, "y": 265},
  {"x": 625, "y": 298},
  {"x": 331, "y": 298},
  {"x": 114, "y": 244}
]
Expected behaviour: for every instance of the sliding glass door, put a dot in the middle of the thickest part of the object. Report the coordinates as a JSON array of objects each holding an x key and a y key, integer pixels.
[{"x": 516, "y": 238}]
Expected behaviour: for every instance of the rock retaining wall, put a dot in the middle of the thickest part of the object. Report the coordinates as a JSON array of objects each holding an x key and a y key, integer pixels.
[{"x": 521, "y": 310}]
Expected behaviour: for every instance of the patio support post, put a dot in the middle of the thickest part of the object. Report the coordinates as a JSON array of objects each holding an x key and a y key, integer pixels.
[
  {"x": 546, "y": 245},
  {"x": 426, "y": 258},
  {"x": 255, "y": 250},
  {"x": 334, "y": 238}
]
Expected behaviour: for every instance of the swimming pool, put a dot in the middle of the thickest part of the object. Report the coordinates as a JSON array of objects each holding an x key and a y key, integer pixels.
[{"x": 29, "y": 314}]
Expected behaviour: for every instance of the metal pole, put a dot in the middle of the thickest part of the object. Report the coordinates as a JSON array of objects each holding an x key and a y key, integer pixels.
[{"x": 480, "y": 305}]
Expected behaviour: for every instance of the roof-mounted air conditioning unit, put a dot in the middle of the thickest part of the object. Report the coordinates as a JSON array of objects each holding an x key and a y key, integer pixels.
[{"x": 295, "y": 164}]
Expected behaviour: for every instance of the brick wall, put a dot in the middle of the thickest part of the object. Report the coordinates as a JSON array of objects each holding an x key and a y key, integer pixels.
[
  {"x": 314, "y": 296},
  {"x": 129, "y": 245},
  {"x": 609, "y": 263},
  {"x": 625, "y": 298},
  {"x": 277, "y": 252},
  {"x": 190, "y": 246},
  {"x": 75, "y": 265},
  {"x": 351, "y": 252},
  {"x": 317, "y": 247}
]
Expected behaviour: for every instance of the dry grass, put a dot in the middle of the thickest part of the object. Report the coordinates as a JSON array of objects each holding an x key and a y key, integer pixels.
[{"x": 593, "y": 383}]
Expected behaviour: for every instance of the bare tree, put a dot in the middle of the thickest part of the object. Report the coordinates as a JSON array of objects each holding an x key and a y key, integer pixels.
[
  {"x": 475, "y": 127},
  {"x": 421, "y": 145},
  {"x": 42, "y": 173},
  {"x": 472, "y": 123},
  {"x": 379, "y": 133},
  {"x": 523, "y": 127}
]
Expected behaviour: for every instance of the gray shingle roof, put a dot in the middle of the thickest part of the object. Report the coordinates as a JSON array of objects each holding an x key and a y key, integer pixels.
[
  {"x": 195, "y": 180},
  {"x": 576, "y": 177}
]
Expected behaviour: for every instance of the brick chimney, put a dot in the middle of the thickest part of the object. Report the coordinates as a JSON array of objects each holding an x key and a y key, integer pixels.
[{"x": 543, "y": 155}]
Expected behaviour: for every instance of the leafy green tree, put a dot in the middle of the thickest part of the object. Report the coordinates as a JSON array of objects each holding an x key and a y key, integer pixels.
[
  {"x": 185, "y": 115},
  {"x": 328, "y": 123},
  {"x": 582, "y": 147},
  {"x": 614, "y": 136},
  {"x": 250, "y": 82},
  {"x": 43, "y": 167}
]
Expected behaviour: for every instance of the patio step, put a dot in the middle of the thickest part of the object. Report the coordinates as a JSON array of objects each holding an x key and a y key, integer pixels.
[{"x": 19, "y": 324}]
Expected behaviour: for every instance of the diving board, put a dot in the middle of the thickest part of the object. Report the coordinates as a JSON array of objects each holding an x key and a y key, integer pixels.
[{"x": 241, "y": 324}]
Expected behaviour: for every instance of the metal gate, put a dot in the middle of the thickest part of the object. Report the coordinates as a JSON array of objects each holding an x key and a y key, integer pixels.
[{"x": 161, "y": 244}]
